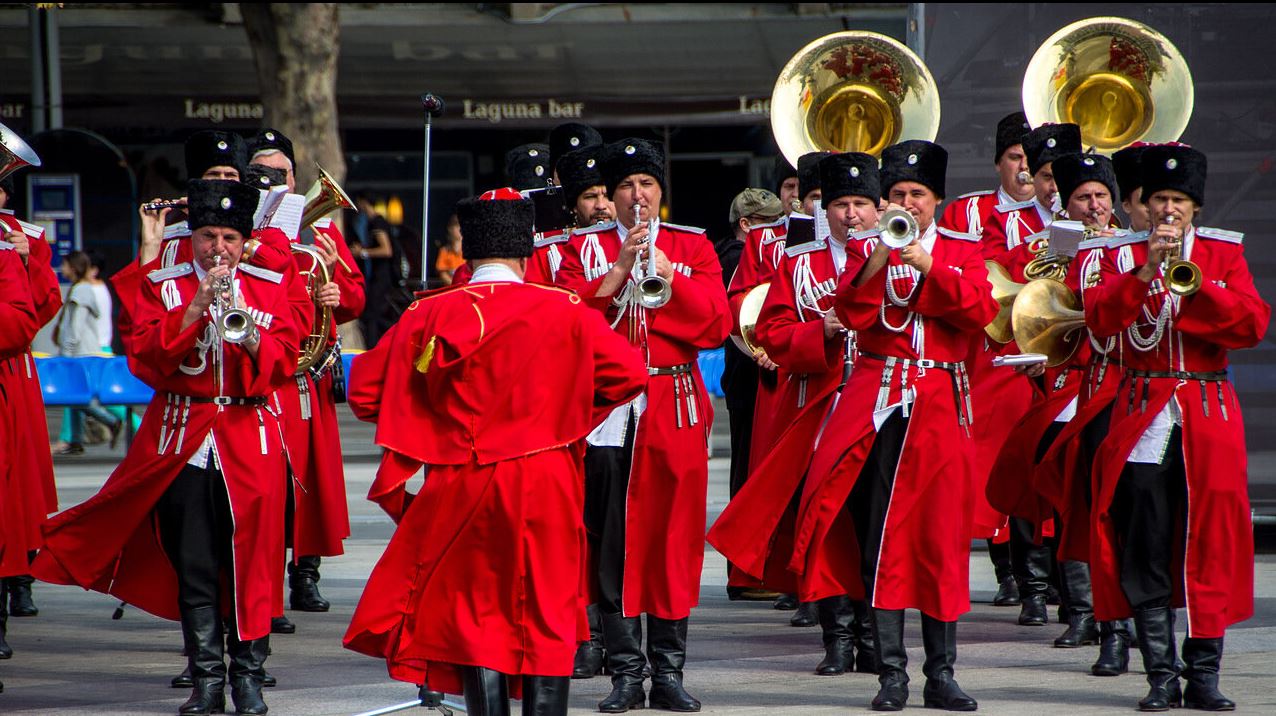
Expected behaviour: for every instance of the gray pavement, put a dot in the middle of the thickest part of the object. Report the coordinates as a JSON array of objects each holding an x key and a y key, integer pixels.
[{"x": 744, "y": 658}]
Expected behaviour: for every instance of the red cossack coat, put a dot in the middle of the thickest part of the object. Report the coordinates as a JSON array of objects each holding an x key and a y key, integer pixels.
[{"x": 18, "y": 316}]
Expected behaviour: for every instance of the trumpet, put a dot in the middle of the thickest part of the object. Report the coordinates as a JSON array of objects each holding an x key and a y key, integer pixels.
[
  {"x": 234, "y": 324},
  {"x": 898, "y": 228},
  {"x": 654, "y": 290},
  {"x": 164, "y": 204},
  {"x": 1182, "y": 277},
  {"x": 1023, "y": 178}
]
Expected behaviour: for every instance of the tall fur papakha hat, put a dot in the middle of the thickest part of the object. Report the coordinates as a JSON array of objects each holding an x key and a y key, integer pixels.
[
  {"x": 578, "y": 170},
  {"x": 632, "y": 156},
  {"x": 915, "y": 160},
  {"x": 221, "y": 202},
  {"x": 1049, "y": 142},
  {"x": 260, "y": 176},
  {"x": 1011, "y": 130},
  {"x": 527, "y": 166},
  {"x": 781, "y": 171},
  {"x": 214, "y": 148},
  {"x": 1174, "y": 166},
  {"x": 849, "y": 174},
  {"x": 569, "y": 137},
  {"x": 1129, "y": 173},
  {"x": 808, "y": 172},
  {"x": 268, "y": 139},
  {"x": 496, "y": 225},
  {"x": 1073, "y": 170}
]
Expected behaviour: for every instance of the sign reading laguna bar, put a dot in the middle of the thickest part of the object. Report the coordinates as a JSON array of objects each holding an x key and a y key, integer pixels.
[{"x": 538, "y": 111}]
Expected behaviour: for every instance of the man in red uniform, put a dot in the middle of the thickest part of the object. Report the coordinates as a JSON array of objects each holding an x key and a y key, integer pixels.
[
  {"x": 320, "y": 518},
  {"x": 481, "y": 580},
  {"x": 18, "y": 315},
  {"x": 647, "y": 464},
  {"x": 885, "y": 508},
  {"x": 38, "y": 497},
  {"x": 569, "y": 137},
  {"x": 1171, "y": 519},
  {"x": 198, "y": 502},
  {"x": 785, "y": 177},
  {"x": 799, "y": 327},
  {"x": 1006, "y": 392},
  {"x": 585, "y": 196}
]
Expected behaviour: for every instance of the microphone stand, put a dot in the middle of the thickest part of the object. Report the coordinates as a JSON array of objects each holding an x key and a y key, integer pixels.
[
  {"x": 433, "y": 106},
  {"x": 426, "y": 699}
]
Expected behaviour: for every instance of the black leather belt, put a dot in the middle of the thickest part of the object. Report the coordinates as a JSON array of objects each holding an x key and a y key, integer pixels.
[
  {"x": 683, "y": 369},
  {"x": 1217, "y": 377},
  {"x": 920, "y": 363},
  {"x": 1209, "y": 377},
  {"x": 255, "y": 401}
]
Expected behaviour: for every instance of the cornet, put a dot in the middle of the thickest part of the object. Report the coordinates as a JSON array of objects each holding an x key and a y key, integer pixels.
[
  {"x": 1182, "y": 277},
  {"x": 898, "y": 228},
  {"x": 234, "y": 324},
  {"x": 654, "y": 290}
]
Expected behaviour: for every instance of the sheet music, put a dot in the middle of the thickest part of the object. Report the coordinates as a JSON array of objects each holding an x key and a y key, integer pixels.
[{"x": 281, "y": 210}]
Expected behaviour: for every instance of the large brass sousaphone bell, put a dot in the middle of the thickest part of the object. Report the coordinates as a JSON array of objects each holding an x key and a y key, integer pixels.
[
  {"x": 15, "y": 153},
  {"x": 1119, "y": 80},
  {"x": 852, "y": 92},
  {"x": 1047, "y": 319}
]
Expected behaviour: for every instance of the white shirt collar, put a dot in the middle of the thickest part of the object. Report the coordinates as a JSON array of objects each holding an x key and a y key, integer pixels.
[
  {"x": 495, "y": 272},
  {"x": 837, "y": 249},
  {"x": 928, "y": 237},
  {"x": 1047, "y": 217}
]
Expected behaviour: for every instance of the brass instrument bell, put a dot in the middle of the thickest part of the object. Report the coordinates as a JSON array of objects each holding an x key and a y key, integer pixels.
[
  {"x": 750, "y": 311},
  {"x": 314, "y": 346},
  {"x": 324, "y": 197},
  {"x": 898, "y": 228},
  {"x": 15, "y": 153},
  {"x": 1182, "y": 277},
  {"x": 1047, "y": 318},
  {"x": 1004, "y": 291},
  {"x": 853, "y": 92}
]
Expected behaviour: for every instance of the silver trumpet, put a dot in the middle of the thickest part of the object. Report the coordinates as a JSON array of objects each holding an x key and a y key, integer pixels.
[
  {"x": 654, "y": 290},
  {"x": 234, "y": 325},
  {"x": 1023, "y": 178},
  {"x": 898, "y": 228}
]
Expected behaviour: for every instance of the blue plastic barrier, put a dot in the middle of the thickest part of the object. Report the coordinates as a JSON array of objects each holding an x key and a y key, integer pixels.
[
  {"x": 712, "y": 363},
  {"x": 116, "y": 385}
]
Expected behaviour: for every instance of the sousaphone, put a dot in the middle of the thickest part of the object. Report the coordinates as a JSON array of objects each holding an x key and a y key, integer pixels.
[{"x": 15, "y": 153}]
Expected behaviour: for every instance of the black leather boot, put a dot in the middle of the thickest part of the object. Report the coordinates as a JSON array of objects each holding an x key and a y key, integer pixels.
[
  {"x": 589, "y": 655},
  {"x": 545, "y": 695},
  {"x": 247, "y": 670},
  {"x": 806, "y": 615},
  {"x": 862, "y": 635},
  {"x": 203, "y": 632},
  {"x": 1031, "y": 563},
  {"x": 183, "y": 680},
  {"x": 303, "y": 583},
  {"x": 1114, "y": 649},
  {"x": 486, "y": 692},
  {"x": 1078, "y": 600},
  {"x": 1203, "y": 658},
  {"x": 6, "y": 651},
  {"x": 1156, "y": 642},
  {"x": 20, "y": 602},
  {"x": 667, "y": 652},
  {"x": 282, "y": 625},
  {"x": 836, "y": 618},
  {"x": 1007, "y": 589},
  {"x": 942, "y": 691},
  {"x": 892, "y": 659},
  {"x": 626, "y": 662},
  {"x": 785, "y": 602},
  {"x": 1007, "y": 593}
]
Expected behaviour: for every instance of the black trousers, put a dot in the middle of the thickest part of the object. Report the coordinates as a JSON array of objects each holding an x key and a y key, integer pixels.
[
  {"x": 196, "y": 529},
  {"x": 871, "y": 495},
  {"x": 606, "y": 488},
  {"x": 1092, "y": 436},
  {"x": 1149, "y": 512}
]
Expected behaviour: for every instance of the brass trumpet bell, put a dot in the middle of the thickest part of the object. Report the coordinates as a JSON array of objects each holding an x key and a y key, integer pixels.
[
  {"x": 750, "y": 311},
  {"x": 1004, "y": 291},
  {"x": 324, "y": 197},
  {"x": 852, "y": 92},
  {"x": 898, "y": 228},
  {"x": 1047, "y": 318},
  {"x": 1119, "y": 80},
  {"x": 15, "y": 153}
]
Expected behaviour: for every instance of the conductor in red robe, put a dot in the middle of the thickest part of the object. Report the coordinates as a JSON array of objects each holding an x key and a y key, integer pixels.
[
  {"x": 481, "y": 581},
  {"x": 1171, "y": 517}
]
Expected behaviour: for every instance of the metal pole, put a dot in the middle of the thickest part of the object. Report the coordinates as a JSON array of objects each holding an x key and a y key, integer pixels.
[
  {"x": 916, "y": 39},
  {"x": 433, "y": 107},
  {"x": 38, "y": 108},
  {"x": 53, "y": 63}
]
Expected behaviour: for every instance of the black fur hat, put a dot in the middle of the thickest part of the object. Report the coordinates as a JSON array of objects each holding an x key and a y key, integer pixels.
[
  {"x": 496, "y": 225},
  {"x": 1073, "y": 170},
  {"x": 1049, "y": 142},
  {"x": 915, "y": 160},
  {"x": 781, "y": 172},
  {"x": 217, "y": 202},
  {"x": 632, "y": 156},
  {"x": 268, "y": 139},
  {"x": 568, "y": 137},
  {"x": 527, "y": 166},
  {"x": 1011, "y": 130},
  {"x": 1128, "y": 172},
  {"x": 260, "y": 176},
  {"x": 214, "y": 148},
  {"x": 1174, "y": 166},
  {"x": 808, "y": 172},
  {"x": 578, "y": 170},
  {"x": 849, "y": 174}
]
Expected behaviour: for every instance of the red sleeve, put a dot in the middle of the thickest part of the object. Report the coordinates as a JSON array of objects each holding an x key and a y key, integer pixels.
[
  {"x": 127, "y": 284},
  {"x": 366, "y": 382},
  {"x": 17, "y": 313},
  {"x": 462, "y": 274},
  {"x": 993, "y": 244},
  {"x": 1114, "y": 303},
  {"x": 273, "y": 251},
  {"x": 349, "y": 278},
  {"x": 571, "y": 275},
  {"x": 280, "y": 343},
  {"x": 389, "y": 489},
  {"x": 159, "y": 341},
  {"x": 697, "y": 310},
  {"x": 798, "y": 346},
  {"x": 1232, "y": 315},
  {"x": 960, "y": 298},
  {"x": 857, "y": 306},
  {"x": 620, "y": 372},
  {"x": 749, "y": 272},
  {"x": 46, "y": 293}
]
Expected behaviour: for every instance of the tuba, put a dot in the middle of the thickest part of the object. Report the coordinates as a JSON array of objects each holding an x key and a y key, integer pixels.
[
  {"x": 15, "y": 153},
  {"x": 852, "y": 92},
  {"x": 314, "y": 346},
  {"x": 324, "y": 197},
  {"x": 1119, "y": 80}
]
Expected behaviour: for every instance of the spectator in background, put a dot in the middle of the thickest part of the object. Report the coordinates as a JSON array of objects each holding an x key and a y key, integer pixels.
[
  {"x": 76, "y": 334},
  {"x": 378, "y": 254},
  {"x": 450, "y": 256}
]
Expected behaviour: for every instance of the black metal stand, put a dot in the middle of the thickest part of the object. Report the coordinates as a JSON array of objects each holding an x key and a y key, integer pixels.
[
  {"x": 425, "y": 699},
  {"x": 433, "y": 106}
]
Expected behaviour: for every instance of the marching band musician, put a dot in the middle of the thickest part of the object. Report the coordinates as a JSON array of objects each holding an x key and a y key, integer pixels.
[
  {"x": 647, "y": 464},
  {"x": 569, "y": 137},
  {"x": 798, "y": 326},
  {"x": 785, "y": 176},
  {"x": 33, "y": 463},
  {"x": 877, "y": 513},
  {"x": 481, "y": 579},
  {"x": 1008, "y": 390},
  {"x": 1171, "y": 519},
  {"x": 320, "y": 517},
  {"x": 1126, "y": 162},
  {"x": 208, "y": 463}
]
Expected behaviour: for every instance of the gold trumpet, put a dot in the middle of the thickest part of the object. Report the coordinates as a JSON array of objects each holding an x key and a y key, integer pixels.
[{"x": 1182, "y": 277}]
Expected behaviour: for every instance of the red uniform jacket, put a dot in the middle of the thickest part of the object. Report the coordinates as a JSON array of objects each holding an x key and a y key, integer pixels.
[
  {"x": 18, "y": 316},
  {"x": 110, "y": 542},
  {"x": 1195, "y": 335},
  {"x": 665, "y": 519},
  {"x": 924, "y": 559},
  {"x": 546, "y": 259},
  {"x": 486, "y": 564},
  {"x": 755, "y": 531}
]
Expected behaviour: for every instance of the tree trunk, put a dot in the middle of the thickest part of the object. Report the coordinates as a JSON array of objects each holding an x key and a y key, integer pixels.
[{"x": 295, "y": 46}]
